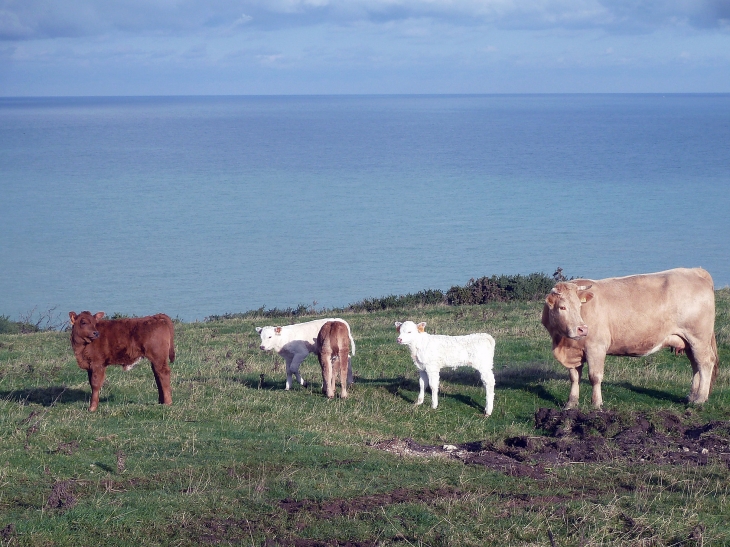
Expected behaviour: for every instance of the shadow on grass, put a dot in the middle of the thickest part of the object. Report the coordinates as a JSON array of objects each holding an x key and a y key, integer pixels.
[
  {"x": 47, "y": 396},
  {"x": 653, "y": 393}
]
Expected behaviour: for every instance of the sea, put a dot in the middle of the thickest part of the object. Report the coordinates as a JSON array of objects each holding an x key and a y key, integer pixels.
[{"x": 200, "y": 206}]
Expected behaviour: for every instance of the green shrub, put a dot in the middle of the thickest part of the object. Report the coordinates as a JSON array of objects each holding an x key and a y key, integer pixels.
[
  {"x": 501, "y": 288},
  {"x": 15, "y": 327}
]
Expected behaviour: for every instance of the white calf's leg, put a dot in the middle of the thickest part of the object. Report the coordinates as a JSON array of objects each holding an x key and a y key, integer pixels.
[
  {"x": 433, "y": 379},
  {"x": 293, "y": 368},
  {"x": 422, "y": 384},
  {"x": 488, "y": 381}
]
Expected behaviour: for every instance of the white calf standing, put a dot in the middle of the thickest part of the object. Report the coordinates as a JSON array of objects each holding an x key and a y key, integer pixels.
[
  {"x": 432, "y": 352},
  {"x": 295, "y": 342}
]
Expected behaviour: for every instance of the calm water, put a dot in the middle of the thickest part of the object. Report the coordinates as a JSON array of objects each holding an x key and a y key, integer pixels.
[{"x": 200, "y": 206}]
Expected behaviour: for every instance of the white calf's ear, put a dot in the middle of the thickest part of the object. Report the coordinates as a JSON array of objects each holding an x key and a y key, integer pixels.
[
  {"x": 397, "y": 325},
  {"x": 422, "y": 327},
  {"x": 259, "y": 329},
  {"x": 277, "y": 330}
]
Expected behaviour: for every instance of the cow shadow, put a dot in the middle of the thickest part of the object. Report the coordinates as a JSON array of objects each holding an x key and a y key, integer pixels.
[
  {"x": 653, "y": 393},
  {"x": 529, "y": 379},
  {"x": 46, "y": 396}
]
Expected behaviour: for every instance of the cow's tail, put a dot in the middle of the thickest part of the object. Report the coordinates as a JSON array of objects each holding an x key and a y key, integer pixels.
[
  {"x": 717, "y": 361},
  {"x": 171, "y": 351},
  {"x": 349, "y": 333}
]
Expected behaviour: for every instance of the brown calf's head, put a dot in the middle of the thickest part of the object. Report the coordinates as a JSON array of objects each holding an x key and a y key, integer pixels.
[
  {"x": 83, "y": 326},
  {"x": 561, "y": 313}
]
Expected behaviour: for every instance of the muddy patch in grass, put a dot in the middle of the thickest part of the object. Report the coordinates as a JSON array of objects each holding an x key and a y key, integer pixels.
[
  {"x": 62, "y": 497},
  {"x": 340, "y": 507},
  {"x": 571, "y": 436}
]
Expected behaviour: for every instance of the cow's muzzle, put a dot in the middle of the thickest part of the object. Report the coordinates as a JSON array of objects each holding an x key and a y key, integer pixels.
[{"x": 580, "y": 332}]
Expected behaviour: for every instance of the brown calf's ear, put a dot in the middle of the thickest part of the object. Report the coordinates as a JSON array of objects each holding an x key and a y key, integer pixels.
[
  {"x": 277, "y": 330},
  {"x": 98, "y": 315},
  {"x": 421, "y": 327},
  {"x": 72, "y": 316}
]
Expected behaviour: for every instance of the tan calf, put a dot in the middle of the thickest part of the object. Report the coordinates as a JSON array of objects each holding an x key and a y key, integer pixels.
[{"x": 333, "y": 349}]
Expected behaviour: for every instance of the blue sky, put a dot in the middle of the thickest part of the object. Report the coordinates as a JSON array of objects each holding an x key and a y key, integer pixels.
[{"x": 190, "y": 47}]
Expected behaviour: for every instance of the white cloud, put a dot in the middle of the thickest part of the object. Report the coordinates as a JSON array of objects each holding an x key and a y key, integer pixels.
[{"x": 37, "y": 19}]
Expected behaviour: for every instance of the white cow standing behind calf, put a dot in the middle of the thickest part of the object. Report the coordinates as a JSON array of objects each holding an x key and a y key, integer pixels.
[
  {"x": 295, "y": 342},
  {"x": 432, "y": 352}
]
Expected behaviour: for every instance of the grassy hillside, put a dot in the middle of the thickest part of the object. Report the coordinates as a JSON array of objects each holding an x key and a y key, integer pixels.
[{"x": 238, "y": 461}]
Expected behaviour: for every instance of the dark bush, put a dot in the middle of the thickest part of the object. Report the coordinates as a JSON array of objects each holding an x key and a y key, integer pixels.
[
  {"x": 501, "y": 288},
  {"x": 16, "y": 327},
  {"x": 423, "y": 298}
]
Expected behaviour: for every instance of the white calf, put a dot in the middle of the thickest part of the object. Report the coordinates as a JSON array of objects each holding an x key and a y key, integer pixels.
[
  {"x": 295, "y": 342},
  {"x": 432, "y": 352}
]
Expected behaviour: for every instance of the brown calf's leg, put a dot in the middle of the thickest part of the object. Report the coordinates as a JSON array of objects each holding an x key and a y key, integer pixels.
[
  {"x": 342, "y": 366},
  {"x": 96, "y": 380},
  {"x": 161, "y": 370}
]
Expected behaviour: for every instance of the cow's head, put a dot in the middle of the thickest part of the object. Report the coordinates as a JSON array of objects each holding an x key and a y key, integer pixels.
[
  {"x": 83, "y": 326},
  {"x": 561, "y": 313},
  {"x": 268, "y": 337},
  {"x": 408, "y": 330}
]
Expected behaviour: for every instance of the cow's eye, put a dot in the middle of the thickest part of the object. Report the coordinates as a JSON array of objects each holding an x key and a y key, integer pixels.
[{"x": 563, "y": 308}]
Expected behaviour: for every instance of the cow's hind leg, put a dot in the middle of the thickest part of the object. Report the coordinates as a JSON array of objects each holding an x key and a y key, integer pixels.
[
  {"x": 488, "y": 381},
  {"x": 703, "y": 360},
  {"x": 328, "y": 376},
  {"x": 343, "y": 366},
  {"x": 433, "y": 379},
  {"x": 96, "y": 380},
  {"x": 161, "y": 370}
]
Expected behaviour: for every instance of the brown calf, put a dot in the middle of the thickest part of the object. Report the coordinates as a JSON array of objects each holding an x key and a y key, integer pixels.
[
  {"x": 333, "y": 349},
  {"x": 99, "y": 343}
]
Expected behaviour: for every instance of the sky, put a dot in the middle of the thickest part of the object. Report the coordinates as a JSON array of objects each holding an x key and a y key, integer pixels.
[{"x": 256, "y": 47}]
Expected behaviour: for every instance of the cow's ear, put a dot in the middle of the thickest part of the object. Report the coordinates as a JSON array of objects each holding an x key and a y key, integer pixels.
[
  {"x": 397, "y": 325},
  {"x": 98, "y": 315},
  {"x": 551, "y": 299},
  {"x": 72, "y": 316},
  {"x": 585, "y": 297},
  {"x": 421, "y": 327},
  {"x": 277, "y": 330},
  {"x": 259, "y": 329}
]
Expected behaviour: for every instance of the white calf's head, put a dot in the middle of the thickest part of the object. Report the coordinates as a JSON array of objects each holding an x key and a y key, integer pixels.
[
  {"x": 270, "y": 337},
  {"x": 408, "y": 331}
]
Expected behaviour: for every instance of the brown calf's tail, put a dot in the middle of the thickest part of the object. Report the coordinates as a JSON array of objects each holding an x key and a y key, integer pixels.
[{"x": 171, "y": 353}]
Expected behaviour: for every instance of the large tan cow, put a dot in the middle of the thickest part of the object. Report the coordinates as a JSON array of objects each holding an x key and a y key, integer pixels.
[{"x": 634, "y": 316}]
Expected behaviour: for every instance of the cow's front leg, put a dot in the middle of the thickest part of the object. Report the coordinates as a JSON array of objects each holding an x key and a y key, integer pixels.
[
  {"x": 575, "y": 374},
  {"x": 96, "y": 380},
  {"x": 596, "y": 364},
  {"x": 422, "y": 385}
]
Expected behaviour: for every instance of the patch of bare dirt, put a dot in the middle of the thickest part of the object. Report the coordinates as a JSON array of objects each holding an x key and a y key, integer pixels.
[
  {"x": 339, "y": 507},
  {"x": 588, "y": 437},
  {"x": 62, "y": 497}
]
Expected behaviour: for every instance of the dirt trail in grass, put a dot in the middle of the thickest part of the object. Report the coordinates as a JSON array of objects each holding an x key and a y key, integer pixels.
[{"x": 565, "y": 436}]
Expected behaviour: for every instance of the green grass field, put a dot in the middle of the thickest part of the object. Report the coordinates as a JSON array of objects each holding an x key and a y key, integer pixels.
[{"x": 237, "y": 460}]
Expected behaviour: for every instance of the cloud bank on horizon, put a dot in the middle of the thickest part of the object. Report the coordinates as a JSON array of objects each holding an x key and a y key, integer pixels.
[{"x": 97, "y": 47}]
